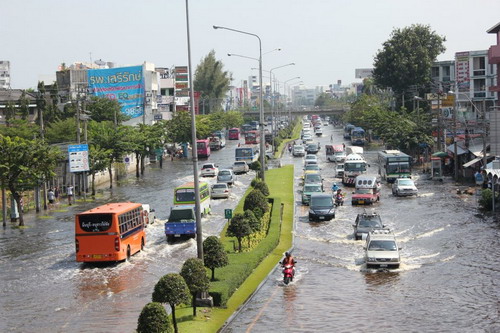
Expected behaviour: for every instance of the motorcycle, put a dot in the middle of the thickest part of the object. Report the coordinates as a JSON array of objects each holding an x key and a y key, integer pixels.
[
  {"x": 288, "y": 273},
  {"x": 339, "y": 200}
]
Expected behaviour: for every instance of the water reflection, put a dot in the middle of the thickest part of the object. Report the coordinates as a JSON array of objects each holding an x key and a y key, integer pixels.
[{"x": 381, "y": 277}]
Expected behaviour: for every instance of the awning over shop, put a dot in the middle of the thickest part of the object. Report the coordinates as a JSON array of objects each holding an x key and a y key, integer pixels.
[
  {"x": 460, "y": 150},
  {"x": 472, "y": 162}
]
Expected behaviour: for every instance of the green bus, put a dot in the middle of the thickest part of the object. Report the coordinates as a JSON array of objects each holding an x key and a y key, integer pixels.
[
  {"x": 184, "y": 197},
  {"x": 393, "y": 164}
]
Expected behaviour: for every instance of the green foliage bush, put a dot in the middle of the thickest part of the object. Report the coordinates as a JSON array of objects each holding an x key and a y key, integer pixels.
[
  {"x": 255, "y": 199},
  {"x": 486, "y": 199},
  {"x": 154, "y": 319},
  {"x": 262, "y": 186},
  {"x": 255, "y": 166}
]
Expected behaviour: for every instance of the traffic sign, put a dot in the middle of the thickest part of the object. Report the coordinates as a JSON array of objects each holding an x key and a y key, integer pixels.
[
  {"x": 228, "y": 213},
  {"x": 78, "y": 156}
]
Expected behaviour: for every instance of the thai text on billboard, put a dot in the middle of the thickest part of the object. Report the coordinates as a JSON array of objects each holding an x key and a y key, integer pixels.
[
  {"x": 124, "y": 84},
  {"x": 462, "y": 71}
]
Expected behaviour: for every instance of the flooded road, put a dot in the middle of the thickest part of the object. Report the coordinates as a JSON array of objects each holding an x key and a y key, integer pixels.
[
  {"x": 449, "y": 279},
  {"x": 44, "y": 289}
]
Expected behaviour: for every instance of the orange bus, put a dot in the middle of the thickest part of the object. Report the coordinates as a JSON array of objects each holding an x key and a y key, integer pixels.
[{"x": 111, "y": 232}]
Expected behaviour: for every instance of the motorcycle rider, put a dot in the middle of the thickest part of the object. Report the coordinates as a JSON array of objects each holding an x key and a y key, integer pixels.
[
  {"x": 339, "y": 197},
  {"x": 288, "y": 260},
  {"x": 335, "y": 187}
]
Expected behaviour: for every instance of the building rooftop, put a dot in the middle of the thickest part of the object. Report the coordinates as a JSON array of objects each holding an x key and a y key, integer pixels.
[{"x": 495, "y": 29}]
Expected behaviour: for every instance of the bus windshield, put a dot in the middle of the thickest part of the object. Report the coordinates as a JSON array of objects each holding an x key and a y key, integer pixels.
[
  {"x": 184, "y": 195},
  {"x": 355, "y": 166},
  {"x": 398, "y": 167}
]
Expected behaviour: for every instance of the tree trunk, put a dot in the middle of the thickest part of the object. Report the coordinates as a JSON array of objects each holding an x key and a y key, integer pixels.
[
  {"x": 194, "y": 304},
  {"x": 213, "y": 273},
  {"x": 142, "y": 164},
  {"x": 110, "y": 171},
  {"x": 93, "y": 184},
  {"x": 174, "y": 320},
  {"x": 137, "y": 158},
  {"x": 239, "y": 244},
  {"x": 161, "y": 161}
]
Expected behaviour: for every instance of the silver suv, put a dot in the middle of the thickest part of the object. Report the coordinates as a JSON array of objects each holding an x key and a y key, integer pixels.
[{"x": 381, "y": 250}]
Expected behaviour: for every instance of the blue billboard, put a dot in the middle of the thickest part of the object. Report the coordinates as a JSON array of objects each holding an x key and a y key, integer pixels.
[{"x": 124, "y": 84}]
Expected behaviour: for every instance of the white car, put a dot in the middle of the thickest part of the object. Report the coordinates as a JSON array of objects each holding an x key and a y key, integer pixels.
[
  {"x": 298, "y": 150},
  {"x": 381, "y": 250},
  {"x": 226, "y": 176},
  {"x": 240, "y": 167},
  {"x": 404, "y": 187},
  {"x": 209, "y": 170},
  {"x": 319, "y": 132},
  {"x": 307, "y": 139},
  {"x": 310, "y": 158},
  {"x": 219, "y": 190},
  {"x": 339, "y": 170}
]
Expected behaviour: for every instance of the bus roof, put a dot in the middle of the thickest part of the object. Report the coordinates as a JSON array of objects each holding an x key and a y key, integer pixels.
[
  {"x": 387, "y": 153},
  {"x": 191, "y": 185},
  {"x": 115, "y": 207}
]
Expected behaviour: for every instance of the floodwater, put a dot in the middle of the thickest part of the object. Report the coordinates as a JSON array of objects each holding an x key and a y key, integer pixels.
[
  {"x": 43, "y": 288},
  {"x": 449, "y": 279}
]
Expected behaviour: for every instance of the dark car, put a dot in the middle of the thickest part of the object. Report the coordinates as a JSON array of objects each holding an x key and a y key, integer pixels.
[
  {"x": 366, "y": 223},
  {"x": 321, "y": 207},
  {"x": 312, "y": 148}
]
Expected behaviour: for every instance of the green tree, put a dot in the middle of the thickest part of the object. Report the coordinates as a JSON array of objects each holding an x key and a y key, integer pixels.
[
  {"x": 23, "y": 163},
  {"x": 20, "y": 128},
  {"x": 233, "y": 119},
  {"x": 116, "y": 139},
  {"x": 406, "y": 58},
  {"x": 214, "y": 255},
  {"x": 171, "y": 289},
  {"x": 194, "y": 273},
  {"x": 239, "y": 227},
  {"x": 99, "y": 160},
  {"x": 104, "y": 109},
  {"x": 61, "y": 131},
  {"x": 10, "y": 112},
  {"x": 24, "y": 106},
  {"x": 211, "y": 80},
  {"x": 153, "y": 319},
  {"x": 179, "y": 127}
]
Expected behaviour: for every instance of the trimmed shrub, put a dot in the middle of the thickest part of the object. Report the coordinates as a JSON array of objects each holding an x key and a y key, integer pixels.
[
  {"x": 262, "y": 186},
  {"x": 255, "y": 181},
  {"x": 154, "y": 319},
  {"x": 256, "y": 199},
  {"x": 255, "y": 166}
]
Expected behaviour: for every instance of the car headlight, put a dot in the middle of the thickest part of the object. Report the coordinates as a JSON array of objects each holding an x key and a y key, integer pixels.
[
  {"x": 371, "y": 259},
  {"x": 395, "y": 259},
  {"x": 311, "y": 211},
  {"x": 331, "y": 211}
]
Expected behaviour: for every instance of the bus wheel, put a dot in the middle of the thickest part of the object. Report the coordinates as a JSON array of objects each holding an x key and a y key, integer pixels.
[
  {"x": 142, "y": 244},
  {"x": 128, "y": 253}
]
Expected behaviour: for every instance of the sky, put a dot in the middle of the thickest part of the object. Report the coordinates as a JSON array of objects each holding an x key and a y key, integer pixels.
[{"x": 326, "y": 39}]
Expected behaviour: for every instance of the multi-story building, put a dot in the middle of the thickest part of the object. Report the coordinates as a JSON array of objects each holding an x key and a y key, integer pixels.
[
  {"x": 4, "y": 74},
  {"x": 494, "y": 60}
]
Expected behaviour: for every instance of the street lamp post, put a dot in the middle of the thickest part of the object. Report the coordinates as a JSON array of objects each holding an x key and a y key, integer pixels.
[
  {"x": 194, "y": 151},
  {"x": 272, "y": 97},
  {"x": 285, "y": 94},
  {"x": 261, "y": 120},
  {"x": 483, "y": 114}
]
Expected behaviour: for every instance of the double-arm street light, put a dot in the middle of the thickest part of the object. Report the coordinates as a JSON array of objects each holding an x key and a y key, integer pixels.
[
  {"x": 194, "y": 150},
  {"x": 273, "y": 127},
  {"x": 485, "y": 158},
  {"x": 261, "y": 120}
]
